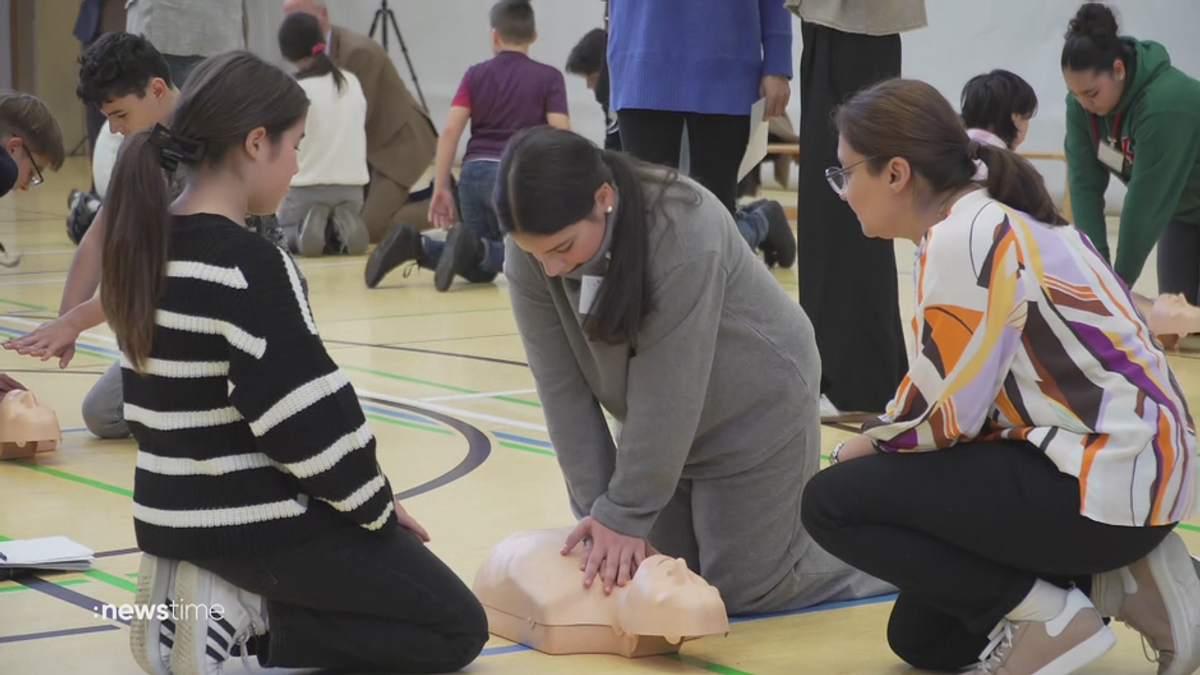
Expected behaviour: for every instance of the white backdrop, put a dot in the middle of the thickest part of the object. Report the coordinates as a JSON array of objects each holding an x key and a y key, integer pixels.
[{"x": 964, "y": 38}]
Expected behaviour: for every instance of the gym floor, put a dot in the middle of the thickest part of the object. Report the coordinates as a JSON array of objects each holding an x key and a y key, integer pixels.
[{"x": 442, "y": 377}]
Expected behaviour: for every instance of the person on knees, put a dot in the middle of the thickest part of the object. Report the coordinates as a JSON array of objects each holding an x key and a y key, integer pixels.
[
  {"x": 333, "y": 155},
  {"x": 1027, "y": 476},
  {"x": 634, "y": 294},
  {"x": 498, "y": 97},
  {"x": 128, "y": 80},
  {"x": 701, "y": 65},
  {"x": 258, "y": 488},
  {"x": 997, "y": 108}
]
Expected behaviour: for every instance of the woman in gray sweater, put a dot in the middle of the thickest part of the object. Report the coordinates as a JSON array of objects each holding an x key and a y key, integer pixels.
[{"x": 635, "y": 295}]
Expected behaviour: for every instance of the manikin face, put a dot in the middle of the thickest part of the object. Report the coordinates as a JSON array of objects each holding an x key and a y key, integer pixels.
[
  {"x": 1098, "y": 93},
  {"x": 665, "y": 598},
  {"x": 23, "y": 419}
]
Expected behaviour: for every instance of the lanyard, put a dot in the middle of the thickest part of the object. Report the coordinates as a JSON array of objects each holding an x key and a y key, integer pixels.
[{"x": 1096, "y": 132}]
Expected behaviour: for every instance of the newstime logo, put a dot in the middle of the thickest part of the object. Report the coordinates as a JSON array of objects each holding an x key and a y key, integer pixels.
[{"x": 172, "y": 611}]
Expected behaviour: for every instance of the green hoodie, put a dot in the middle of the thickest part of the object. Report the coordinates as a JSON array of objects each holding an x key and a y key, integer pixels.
[{"x": 1159, "y": 118}]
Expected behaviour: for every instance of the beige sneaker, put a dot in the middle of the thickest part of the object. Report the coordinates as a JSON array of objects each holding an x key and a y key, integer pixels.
[
  {"x": 1159, "y": 597},
  {"x": 1066, "y": 643}
]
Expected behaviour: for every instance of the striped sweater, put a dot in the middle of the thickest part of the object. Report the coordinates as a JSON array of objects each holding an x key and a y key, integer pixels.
[
  {"x": 1023, "y": 332},
  {"x": 249, "y": 436}
]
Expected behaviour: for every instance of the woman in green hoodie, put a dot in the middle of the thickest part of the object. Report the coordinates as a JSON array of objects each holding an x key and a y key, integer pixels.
[{"x": 1131, "y": 114}]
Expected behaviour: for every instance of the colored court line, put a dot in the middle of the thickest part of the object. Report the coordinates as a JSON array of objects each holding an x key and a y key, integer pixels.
[
  {"x": 23, "y": 305},
  {"x": 433, "y": 352},
  {"x": 509, "y": 649},
  {"x": 522, "y": 439},
  {"x": 411, "y": 425},
  {"x": 436, "y": 385},
  {"x": 1189, "y": 528},
  {"x": 68, "y": 632},
  {"x": 59, "y": 473},
  {"x": 705, "y": 665},
  {"x": 68, "y": 582},
  {"x": 112, "y": 580},
  {"x": 525, "y": 448}
]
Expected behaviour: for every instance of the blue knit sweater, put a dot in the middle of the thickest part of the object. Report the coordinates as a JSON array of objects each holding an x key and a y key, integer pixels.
[{"x": 703, "y": 56}]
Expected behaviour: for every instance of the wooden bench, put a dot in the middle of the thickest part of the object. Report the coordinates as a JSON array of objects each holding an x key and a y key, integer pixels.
[{"x": 793, "y": 149}]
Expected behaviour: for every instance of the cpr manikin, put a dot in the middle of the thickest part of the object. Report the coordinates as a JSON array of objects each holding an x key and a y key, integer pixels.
[
  {"x": 1172, "y": 317},
  {"x": 534, "y": 595},
  {"x": 26, "y": 427}
]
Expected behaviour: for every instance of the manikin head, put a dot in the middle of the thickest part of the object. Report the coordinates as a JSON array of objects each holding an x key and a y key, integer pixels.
[
  {"x": 24, "y": 420},
  {"x": 667, "y": 599}
]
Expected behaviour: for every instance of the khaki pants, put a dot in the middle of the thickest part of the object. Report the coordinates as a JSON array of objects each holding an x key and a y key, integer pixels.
[{"x": 387, "y": 203}]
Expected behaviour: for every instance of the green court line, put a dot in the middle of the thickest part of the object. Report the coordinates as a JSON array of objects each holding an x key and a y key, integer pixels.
[
  {"x": 132, "y": 575},
  {"x": 24, "y": 305},
  {"x": 436, "y": 385},
  {"x": 527, "y": 448},
  {"x": 706, "y": 665},
  {"x": 112, "y": 580},
  {"x": 1189, "y": 528},
  {"x": 59, "y": 473},
  {"x": 403, "y": 423}
]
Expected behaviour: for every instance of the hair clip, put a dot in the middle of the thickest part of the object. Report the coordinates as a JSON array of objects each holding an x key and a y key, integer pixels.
[{"x": 174, "y": 149}]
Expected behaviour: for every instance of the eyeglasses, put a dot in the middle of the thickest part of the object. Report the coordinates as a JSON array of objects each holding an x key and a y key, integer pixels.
[
  {"x": 839, "y": 176},
  {"x": 36, "y": 178}
]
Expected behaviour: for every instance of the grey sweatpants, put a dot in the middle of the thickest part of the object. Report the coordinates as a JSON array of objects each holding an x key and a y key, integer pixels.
[
  {"x": 300, "y": 200},
  {"x": 104, "y": 406}
]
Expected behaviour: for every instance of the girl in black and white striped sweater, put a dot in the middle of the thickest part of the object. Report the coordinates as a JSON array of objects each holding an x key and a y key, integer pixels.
[{"x": 257, "y": 486}]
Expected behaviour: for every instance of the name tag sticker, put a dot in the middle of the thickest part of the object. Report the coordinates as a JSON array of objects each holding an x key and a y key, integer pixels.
[
  {"x": 1111, "y": 157},
  {"x": 588, "y": 290}
]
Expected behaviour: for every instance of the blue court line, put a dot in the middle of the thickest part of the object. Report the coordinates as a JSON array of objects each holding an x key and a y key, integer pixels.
[
  {"x": 67, "y": 632},
  {"x": 879, "y": 599},
  {"x": 399, "y": 415},
  {"x": 522, "y": 439},
  {"x": 75, "y": 430},
  {"x": 510, "y": 649}
]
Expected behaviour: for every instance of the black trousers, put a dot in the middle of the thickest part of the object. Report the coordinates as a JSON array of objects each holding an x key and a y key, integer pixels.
[
  {"x": 359, "y": 600},
  {"x": 963, "y": 533},
  {"x": 1179, "y": 260},
  {"x": 716, "y": 145},
  {"x": 848, "y": 283}
]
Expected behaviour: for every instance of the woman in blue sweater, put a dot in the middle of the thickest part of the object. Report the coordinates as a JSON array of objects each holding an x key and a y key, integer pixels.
[{"x": 703, "y": 63}]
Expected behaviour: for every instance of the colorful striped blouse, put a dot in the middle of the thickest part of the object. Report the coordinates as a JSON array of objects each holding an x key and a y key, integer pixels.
[{"x": 1023, "y": 332}]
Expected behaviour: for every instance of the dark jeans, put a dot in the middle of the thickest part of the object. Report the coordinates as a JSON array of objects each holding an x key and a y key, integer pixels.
[
  {"x": 1179, "y": 260},
  {"x": 359, "y": 600},
  {"x": 963, "y": 533},
  {"x": 716, "y": 145},
  {"x": 474, "y": 200}
]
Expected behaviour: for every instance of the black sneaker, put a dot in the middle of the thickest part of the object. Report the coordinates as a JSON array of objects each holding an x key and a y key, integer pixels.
[
  {"x": 463, "y": 252},
  {"x": 780, "y": 245},
  {"x": 401, "y": 244}
]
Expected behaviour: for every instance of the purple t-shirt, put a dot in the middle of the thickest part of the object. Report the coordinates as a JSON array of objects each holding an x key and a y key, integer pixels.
[{"x": 506, "y": 94}]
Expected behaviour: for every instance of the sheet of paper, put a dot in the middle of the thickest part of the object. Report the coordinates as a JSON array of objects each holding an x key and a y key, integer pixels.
[
  {"x": 46, "y": 552},
  {"x": 756, "y": 149}
]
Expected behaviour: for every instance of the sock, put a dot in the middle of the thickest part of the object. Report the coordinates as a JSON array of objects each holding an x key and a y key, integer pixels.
[{"x": 1043, "y": 603}]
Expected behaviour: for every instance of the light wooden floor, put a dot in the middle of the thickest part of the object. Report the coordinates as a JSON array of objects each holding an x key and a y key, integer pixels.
[{"x": 443, "y": 379}]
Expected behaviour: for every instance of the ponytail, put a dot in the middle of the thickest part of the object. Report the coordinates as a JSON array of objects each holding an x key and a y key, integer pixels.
[
  {"x": 1011, "y": 179},
  {"x": 624, "y": 297},
  {"x": 321, "y": 65},
  {"x": 135, "y": 246},
  {"x": 300, "y": 38}
]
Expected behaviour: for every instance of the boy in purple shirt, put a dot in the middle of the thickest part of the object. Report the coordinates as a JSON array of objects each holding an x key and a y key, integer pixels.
[{"x": 499, "y": 97}]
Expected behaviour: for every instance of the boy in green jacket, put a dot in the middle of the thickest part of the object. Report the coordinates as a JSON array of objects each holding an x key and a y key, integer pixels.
[{"x": 1131, "y": 114}]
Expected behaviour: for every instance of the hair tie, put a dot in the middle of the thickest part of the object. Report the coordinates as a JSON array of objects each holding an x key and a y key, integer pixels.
[
  {"x": 318, "y": 48},
  {"x": 981, "y": 171},
  {"x": 174, "y": 149}
]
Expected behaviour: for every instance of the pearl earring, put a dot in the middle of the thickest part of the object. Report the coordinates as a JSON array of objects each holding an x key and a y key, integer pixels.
[{"x": 609, "y": 210}]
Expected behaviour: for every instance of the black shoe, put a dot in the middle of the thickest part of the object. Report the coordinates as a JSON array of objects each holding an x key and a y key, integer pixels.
[
  {"x": 401, "y": 244},
  {"x": 780, "y": 245},
  {"x": 463, "y": 252}
]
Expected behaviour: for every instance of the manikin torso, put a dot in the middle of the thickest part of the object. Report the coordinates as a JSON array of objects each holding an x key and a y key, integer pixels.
[
  {"x": 26, "y": 426},
  {"x": 534, "y": 595}
]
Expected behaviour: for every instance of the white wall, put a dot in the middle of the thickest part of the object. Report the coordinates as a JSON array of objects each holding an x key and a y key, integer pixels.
[{"x": 964, "y": 38}]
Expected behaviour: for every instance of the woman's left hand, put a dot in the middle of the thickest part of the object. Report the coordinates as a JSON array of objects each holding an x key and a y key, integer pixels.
[
  {"x": 409, "y": 523},
  {"x": 777, "y": 90},
  {"x": 859, "y": 446},
  {"x": 612, "y": 555}
]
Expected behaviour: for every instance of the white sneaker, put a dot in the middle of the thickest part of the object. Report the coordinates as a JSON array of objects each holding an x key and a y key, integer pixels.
[
  {"x": 1159, "y": 597},
  {"x": 1060, "y": 646},
  {"x": 830, "y": 413},
  {"x": 151, "y": 634},
  {"x": 215, "y": 620}
]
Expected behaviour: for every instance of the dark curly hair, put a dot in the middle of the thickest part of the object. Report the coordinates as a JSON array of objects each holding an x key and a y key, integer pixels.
[{"x": 117, "y": 65}]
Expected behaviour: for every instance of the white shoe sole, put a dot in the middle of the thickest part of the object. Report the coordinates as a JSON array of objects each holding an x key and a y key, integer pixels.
[
  {"x": 311, "y": 241},
  {"x": 1081, "y": 654},
  {"x": 193, "y": 588},
  {"x": 145, "y": 635},
  {"x": 1172, "y": 568}
]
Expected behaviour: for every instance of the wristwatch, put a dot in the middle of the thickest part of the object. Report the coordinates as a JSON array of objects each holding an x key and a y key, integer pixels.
[{"x": 833, "y": 456}]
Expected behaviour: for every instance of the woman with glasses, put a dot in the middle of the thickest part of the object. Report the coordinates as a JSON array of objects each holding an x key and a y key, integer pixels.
[
  {"x": 635, "y": 295},
  {"x": 1027, "y": 476}
]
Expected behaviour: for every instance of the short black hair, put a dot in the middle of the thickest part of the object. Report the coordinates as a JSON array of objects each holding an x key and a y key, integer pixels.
[
  {"x": 117, "y": 65},
  {"x": 513, "y": 20},
  {"x": 587, "y": 57},
  {"x": 990, "y": 100}
]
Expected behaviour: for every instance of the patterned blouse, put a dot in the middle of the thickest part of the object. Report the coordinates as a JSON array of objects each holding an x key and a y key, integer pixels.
[{"x": 1023, "y": 332}]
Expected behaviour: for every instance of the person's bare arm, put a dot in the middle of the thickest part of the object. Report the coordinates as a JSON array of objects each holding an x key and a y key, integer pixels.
[
  {"x": 84, "y": 276},
  {"x": 558, "y": 121},
  {"x": 441, "y": 207}
]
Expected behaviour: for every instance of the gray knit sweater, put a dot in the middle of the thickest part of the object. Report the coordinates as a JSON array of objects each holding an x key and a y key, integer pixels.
[{"x": 725, "y": 363}]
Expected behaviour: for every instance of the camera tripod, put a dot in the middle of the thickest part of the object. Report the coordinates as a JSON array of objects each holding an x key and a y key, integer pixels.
[{"x": 383, "y": 18}]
